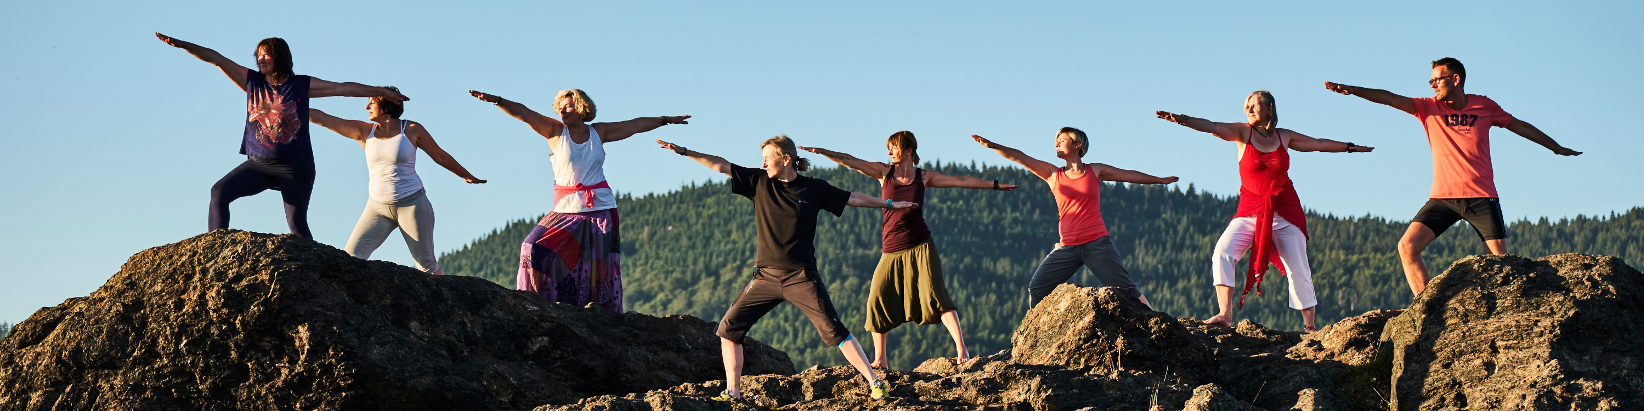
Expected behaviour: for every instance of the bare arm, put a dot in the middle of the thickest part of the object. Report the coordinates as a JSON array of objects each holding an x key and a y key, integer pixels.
[
  {"x": 867, "y": 201},
  {"x": 1039, "y": 168},
  {"x": 612, "y": 132},
  {"x": 421, "y": 139},
  {"x": 938, "y": 180},
  {"x": 1534, "y": 134},
  {"x": 867, "y": 168},
  {"x": 347, "y": 128},
  {"x": 545, "y": 126},
  {"x": 1225, "y": 131},
  {"x": 320, "y": 88},
  {"x": 1301, "y": 142},
  {"x": 1376, "y": 95},
  {"x": 1111, "y": 173},
  {"x": 713, "y": 162},
  {"x": 233, "y": 70}
]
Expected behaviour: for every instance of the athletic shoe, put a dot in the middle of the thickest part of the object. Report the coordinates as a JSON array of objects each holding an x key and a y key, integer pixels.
[
  {"x": 881, "y": 390},
  {"x": 726, "y": 397}
]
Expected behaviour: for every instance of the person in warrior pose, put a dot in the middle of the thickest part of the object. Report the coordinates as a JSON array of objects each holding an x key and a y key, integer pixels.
[
  {"x": 1270, "y": 220},
  {"x": 785, "y": 208},
  {"x": 907, "y": 285},
  {"x": 396, "y": 196},
  {"x": 1464, "y": 187},
  {"x": 275, "y": 143},
  {"x": 574, "y": 254},
  {"x": 1084, "y": 237}
]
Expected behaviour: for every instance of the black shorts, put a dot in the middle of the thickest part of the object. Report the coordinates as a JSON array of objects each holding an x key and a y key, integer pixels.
[
  {"x": 769, "y": 288},
  {"x": 1483, "y": 213}
]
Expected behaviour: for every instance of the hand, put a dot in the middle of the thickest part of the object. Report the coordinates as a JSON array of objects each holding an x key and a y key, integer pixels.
[
  {"x": 1171, "y": 117},
  {"x": 665, "y": 119},
  {"x": 473, "y": 181},
  {"x": 1363, "y": 149},
  {"x": 985, "y": 142},
  {"x": 1170, "y": 180},
  {"x": 1565, "y": 151},
  {"x": 1339, "y": 88},
  {"x": 1006, "y": 187},
  {"x": 393, "y": 94},
  {"x": 672, "y": 147},
  {"x": 816, "y": 150},
  {"x": 485, "y": 97},
  {"x": 167, "y": 39},
  {"x": 899, "y": 205}
]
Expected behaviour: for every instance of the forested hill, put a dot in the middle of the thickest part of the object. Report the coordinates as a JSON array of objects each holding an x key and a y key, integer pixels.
[{"x": 691, "y": 251}]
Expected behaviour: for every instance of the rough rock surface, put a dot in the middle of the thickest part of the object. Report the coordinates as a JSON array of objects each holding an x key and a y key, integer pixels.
[
  {"x": 1210, "y": 397},
  {"x": 1351, "y": 341},
  {"x": 1102, "y": 332},
  {"x": 1510, "y": 333},
  {"x": 240, "y": 320}
]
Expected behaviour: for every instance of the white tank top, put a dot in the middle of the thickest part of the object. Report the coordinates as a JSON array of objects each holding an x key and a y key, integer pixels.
[
  {"x": 392, "y": 164},
  {"x": 580, "y": 164}
]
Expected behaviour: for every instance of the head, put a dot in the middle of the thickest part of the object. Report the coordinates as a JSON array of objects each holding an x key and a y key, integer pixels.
[
  {"x": 378, "y": 108},
  {"x": 780, "y": 154},
  {"x": 901, "y": 146},
  {"x": 1071, "y": 143},
  {"x": 1448, "y": 78},
  {"x": 274, "y": 57},
  {"x": 1260, "y": 110},
  {"x": 574, "y": 106}
]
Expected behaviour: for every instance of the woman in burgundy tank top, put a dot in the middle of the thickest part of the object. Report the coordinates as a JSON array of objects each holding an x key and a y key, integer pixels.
[
  {"x": 1270, "y": 221},
  {"x": 907, "y": 285}
]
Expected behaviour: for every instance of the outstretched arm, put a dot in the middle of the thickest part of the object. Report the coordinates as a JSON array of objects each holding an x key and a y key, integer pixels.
[
  {"x": 867, "y": 201},
  {"x": 1039, "y": 168},
  {"x": 1376, "y": 95},
  {"x": 421, "y": 139},
  {"x": 1111, "y": 173},
  {"x": 1301, "y": 142},
  {"x": 1534, "y": 134},
  {"x": 867, "y": 168},
  {"x": 347, "y": 128},
  {"x": 938, "y": 180},
  {"x": 1225, "y": 131},
  {"x": 610, "y": 132},
  {"x": 320, "y": 88},
  {"x": 235, "y": 71},
  {"x": 543, "y": 125},
  {"x": 714, "y": 162}
]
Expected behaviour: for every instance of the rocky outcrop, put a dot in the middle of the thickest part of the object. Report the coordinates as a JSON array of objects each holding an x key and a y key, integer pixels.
[
  {"x": 239, "y": 320},
  {"x": 1510, "y": 333},
  {"x": 1099, "y": 331}
]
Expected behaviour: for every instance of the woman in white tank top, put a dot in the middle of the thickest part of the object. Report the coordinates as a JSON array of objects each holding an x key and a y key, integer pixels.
[
  {"x": 397, "y": 198},
  {"x": 574, "y": 254}
]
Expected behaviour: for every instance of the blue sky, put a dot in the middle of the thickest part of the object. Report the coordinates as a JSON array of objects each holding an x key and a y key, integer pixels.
[{"x": 114, "y": 138}]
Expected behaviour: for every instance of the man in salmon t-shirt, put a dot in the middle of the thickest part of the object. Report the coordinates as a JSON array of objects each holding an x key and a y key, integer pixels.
[{"x": 1458, "y": 130}]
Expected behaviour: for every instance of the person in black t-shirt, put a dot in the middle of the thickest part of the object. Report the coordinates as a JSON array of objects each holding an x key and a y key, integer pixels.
[{"x": 785, "y": 208}]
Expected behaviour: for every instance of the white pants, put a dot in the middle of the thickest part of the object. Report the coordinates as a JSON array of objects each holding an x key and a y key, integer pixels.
[
  {"x": 413, "y": 215},
  {"x": 1292, "y": 246}
]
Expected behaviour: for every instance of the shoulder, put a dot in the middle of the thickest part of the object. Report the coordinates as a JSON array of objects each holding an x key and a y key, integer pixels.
[{"x": 1483, "y": 101}]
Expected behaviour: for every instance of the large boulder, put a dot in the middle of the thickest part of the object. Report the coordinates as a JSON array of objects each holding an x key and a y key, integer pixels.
[
  {"x": 240, "y": 320},
  {"x": 1100, "y": 331},
  {"x": 1510, "y": 333}
]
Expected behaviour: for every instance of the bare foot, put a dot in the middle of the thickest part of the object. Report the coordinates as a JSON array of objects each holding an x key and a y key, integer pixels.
[
  {"x": 961, "y": 360},
  {"x": 1312, "y": 329},
  {"x": 1220, "y": 319},
  {"x": 879, "y": 363}
]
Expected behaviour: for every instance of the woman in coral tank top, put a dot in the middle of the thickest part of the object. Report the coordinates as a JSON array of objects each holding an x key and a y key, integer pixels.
[{"x": 1267, "y": 199}]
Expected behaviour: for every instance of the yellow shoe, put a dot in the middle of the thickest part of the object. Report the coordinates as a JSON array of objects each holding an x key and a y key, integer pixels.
[
  {"x": 725, "y": 396},
  {"x": 881, "y": 390}
]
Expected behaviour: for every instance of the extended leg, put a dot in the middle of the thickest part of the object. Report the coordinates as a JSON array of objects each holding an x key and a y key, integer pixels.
[
  {"x": 950, "y": 320},
  {"x": 1224, "y": 261},
  {"x": 1055, "y": 269},
  {"x": 1416, "y": 239},
  {"x": 295, "y": 195},
  {"x": 879, "y": 359},
  {"x": 240, "y": 182},
  {"x": 733, "y": 366}
]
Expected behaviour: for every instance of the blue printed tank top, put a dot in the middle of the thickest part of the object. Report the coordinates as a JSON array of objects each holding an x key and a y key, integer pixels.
[{"x": 276, "y": 124}]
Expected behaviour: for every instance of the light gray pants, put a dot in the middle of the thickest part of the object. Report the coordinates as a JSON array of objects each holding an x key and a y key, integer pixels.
[{"x": 413, "y": 215}]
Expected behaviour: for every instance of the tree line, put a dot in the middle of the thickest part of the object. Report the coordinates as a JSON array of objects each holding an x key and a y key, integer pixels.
[{"x": 691, "y": 251}]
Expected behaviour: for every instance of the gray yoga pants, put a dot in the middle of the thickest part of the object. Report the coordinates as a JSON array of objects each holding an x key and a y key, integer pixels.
[
  {"x": 413, "y": 215},
  {"x": 1099, "y": 255}
]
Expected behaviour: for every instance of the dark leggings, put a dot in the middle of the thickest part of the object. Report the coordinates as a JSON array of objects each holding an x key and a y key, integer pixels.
[{"x": 293, "y": 178}]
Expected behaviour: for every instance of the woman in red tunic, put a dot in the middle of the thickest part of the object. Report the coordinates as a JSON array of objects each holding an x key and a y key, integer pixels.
[{"x": 1270, "y": 222}]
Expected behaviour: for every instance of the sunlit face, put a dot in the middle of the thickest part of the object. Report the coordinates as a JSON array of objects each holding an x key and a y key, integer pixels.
[
  {"x": 1443, "y": 82},
  {"x": 1067, "y": 145},
  {"x": 1255, "y": 112},
  {"x": 567, "y": 111},
  {"x": 775, "y": 161},
  {"x": 895, "y": 152},
  {"x": 375, "y": 111},
  {"x": 265, "y": 61}
]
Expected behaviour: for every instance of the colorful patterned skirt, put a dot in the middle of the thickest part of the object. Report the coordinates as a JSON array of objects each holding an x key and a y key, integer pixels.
[{"x": 574, "y": 258}]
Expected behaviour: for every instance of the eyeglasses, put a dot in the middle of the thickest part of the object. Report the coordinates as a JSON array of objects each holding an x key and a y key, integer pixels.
[{"x": 1434, "y": 81}]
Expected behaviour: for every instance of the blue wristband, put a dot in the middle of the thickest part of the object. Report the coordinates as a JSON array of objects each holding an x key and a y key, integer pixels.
[{"x": 887, "y": 204}]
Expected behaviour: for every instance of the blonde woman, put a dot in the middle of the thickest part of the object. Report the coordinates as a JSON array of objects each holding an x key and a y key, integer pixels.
[
  {"x": 574, "y": 254},
  {"x": 907, "y": 285}
]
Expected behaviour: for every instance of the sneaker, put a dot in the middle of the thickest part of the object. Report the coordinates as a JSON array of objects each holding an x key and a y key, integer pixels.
[
  {"x": 725, "y": 396},
  {"x": 880, "y": 390}
]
